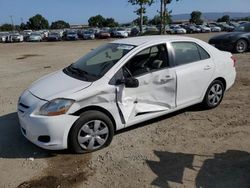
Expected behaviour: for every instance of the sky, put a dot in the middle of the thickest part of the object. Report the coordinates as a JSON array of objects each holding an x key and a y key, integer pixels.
[{"x": 79, "y": 11}]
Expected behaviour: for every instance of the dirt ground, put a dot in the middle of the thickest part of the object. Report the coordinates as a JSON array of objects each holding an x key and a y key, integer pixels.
[{"x": 190, "y": 148}]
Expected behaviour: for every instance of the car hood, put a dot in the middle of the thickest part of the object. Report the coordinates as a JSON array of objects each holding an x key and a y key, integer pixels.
[
  {"x": 57, "y": 85},
  {"x": 226, "y": 35}
]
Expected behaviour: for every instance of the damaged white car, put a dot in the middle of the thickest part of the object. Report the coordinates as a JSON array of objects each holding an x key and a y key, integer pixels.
[{"x": 120, "y": 84}]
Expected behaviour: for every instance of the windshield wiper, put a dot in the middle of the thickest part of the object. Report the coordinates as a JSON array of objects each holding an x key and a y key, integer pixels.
[{"x": 78, "y": 71}]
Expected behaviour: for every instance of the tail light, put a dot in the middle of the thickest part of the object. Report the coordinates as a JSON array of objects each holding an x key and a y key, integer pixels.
[{"x": 234, "y": 60}]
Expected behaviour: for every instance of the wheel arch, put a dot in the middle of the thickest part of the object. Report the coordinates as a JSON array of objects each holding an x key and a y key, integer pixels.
[
  {"x": 245, "y": 39},
  {"x": 222, "y": 80},
  {"x": 97, "y": 108}
]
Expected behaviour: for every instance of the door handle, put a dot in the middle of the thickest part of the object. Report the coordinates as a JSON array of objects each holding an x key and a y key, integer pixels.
[{"x": 207, "y": 67}]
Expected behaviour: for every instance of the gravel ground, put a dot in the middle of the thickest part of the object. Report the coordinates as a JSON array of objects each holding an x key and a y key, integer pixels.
[{"x": 189, "y": 148}]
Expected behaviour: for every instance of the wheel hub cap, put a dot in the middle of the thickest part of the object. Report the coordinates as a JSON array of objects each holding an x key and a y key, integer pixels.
[{"x": 93, "y": 135}]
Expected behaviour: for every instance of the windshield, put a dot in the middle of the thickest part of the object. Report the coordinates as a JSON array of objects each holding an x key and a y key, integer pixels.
[
  {"x": 95, "y": 64},
  {"x": 243, "y": 28}
]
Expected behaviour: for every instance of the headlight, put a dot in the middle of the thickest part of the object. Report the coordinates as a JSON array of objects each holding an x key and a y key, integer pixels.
[{"x": 56, "y": 107}]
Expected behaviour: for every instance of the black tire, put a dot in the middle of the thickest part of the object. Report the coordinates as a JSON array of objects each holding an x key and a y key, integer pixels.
[
  {"x": 86, "y": 119},
  {"x": 241, "y": 46},
  {"x": 208, "y": 102}
]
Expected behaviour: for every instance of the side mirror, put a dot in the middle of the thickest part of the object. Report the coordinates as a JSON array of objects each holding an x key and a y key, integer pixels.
[{"x": 129, "y": 82}]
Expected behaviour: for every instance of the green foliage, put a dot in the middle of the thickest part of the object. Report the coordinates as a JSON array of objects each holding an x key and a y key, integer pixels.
[
  {"x": 224, "y": 18},
  {"x": 23, "y": 26},
  {"x": 38, "y": 22},
  {"x": 6, "y": 27},
  {"x": 196, "y": 18},
  {"x": 96, "y": 21},
  {"x": 100, "y": 21},
  {"x": 60, "y": 24},
  {"x": 138, "y": 21},
  {"x": 141, "y": 9},
  {"x": 156, "y": 20},
  {"x": 110, "y": 22}
]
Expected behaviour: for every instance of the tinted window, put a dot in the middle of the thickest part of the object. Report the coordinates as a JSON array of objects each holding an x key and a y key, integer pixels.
[
  {"x": 204, "y": 55},
  {"x": 150, "y": 59},
  {"x": 185, "y": 52},
  {"x": 188, "y": 52}
]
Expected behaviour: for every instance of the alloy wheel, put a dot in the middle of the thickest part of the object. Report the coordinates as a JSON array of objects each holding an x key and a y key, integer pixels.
[{"x": 215, "y": 94}]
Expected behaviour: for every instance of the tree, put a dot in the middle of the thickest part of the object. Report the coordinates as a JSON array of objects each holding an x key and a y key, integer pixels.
[
  {"x": 97, "y": 21},
  {"x": 6, "y": 27},
  {"x": 110, "y": 22},
  {"x": 165, "y": 16},
  {"x": 38, "y": 22},
  {"x": 137, "y": 21},
  {"x": 156, "y": 20},
  {"x": 196, "y": 18},
  {"x": 60, "y": 24},
  {"x": 142, "y": 9},
  {"x": 225, "y": 18},
  {"x": 23, "y": 26}
]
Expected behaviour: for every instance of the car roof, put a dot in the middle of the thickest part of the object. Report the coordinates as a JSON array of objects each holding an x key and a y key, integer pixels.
[{"x": 137, "y": 41}]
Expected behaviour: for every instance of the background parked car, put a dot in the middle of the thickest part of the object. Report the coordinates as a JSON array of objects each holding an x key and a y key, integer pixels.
[
  {"x": 3, "y": 36},
  {"x": 176, "y": 29},
  {"x": 54, "y": 37},
  {"x": 214, "y": 28},
  {"x": 35, "y": 37},
  {"x": 226, "y": 27},
  {"x": 104, "y": 34},
  {"x": 238, "y": 41},
  {"x": 14, "y": 37},
  {"x": 71, "y": 35},
  {"x": 191, "y": 29},
  {"x": 120, "y": 32},
  {"x": 204, "y": 29},
  {"x": 88, "y": 35}
]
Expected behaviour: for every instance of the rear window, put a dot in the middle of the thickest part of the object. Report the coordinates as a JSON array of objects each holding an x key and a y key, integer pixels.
[{"x": 188, "y": 52}]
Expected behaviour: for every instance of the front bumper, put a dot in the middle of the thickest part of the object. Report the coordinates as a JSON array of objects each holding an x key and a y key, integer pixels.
[
  {"x": 36, "y": 127},
  {"x": 55, "y": 128}
]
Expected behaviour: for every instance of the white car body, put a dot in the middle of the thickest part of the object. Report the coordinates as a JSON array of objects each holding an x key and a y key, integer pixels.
[
  {"x": 204, "y": 29},
  {"x": 215, "y": 29},
  {"x": 121, "y": 33},
  {"x": 159, "y": 92},
  {"x": 35, "y": 37},
  {"x": 178, "y": 30}
]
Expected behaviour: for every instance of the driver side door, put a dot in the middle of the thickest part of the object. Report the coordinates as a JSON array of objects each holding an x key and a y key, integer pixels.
[{"x": 156, "y": 92}]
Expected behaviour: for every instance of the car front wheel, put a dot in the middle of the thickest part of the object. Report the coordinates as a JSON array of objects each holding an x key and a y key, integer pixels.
[
  {"x": 241, "y": 46},
  {"x": 214, "y": 94},
  {"x": 92, "y": 131}
]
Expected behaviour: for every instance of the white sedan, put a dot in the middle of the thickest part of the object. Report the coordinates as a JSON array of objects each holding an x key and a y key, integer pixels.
[{"x": 120, "y": 84}]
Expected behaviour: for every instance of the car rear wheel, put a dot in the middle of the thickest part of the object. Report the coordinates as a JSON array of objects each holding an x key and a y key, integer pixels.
[
  {"x": 92, "y": 131},
  {"x": 241, "y": 46},
  {"x": 214, "y": 94}
]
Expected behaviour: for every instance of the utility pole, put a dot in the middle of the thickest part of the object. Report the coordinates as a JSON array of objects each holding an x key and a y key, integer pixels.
[{"x": 12, "y": 22}]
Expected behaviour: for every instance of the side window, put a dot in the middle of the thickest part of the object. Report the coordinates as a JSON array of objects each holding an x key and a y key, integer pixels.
[
  {"x": 149, "y": 59},
  {"x": 204, "y": 55},
  {"x": 185, "y": 52}
]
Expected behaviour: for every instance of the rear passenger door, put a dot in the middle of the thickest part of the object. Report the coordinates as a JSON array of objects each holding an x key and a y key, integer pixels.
[{"x": 194, "y": 69}]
